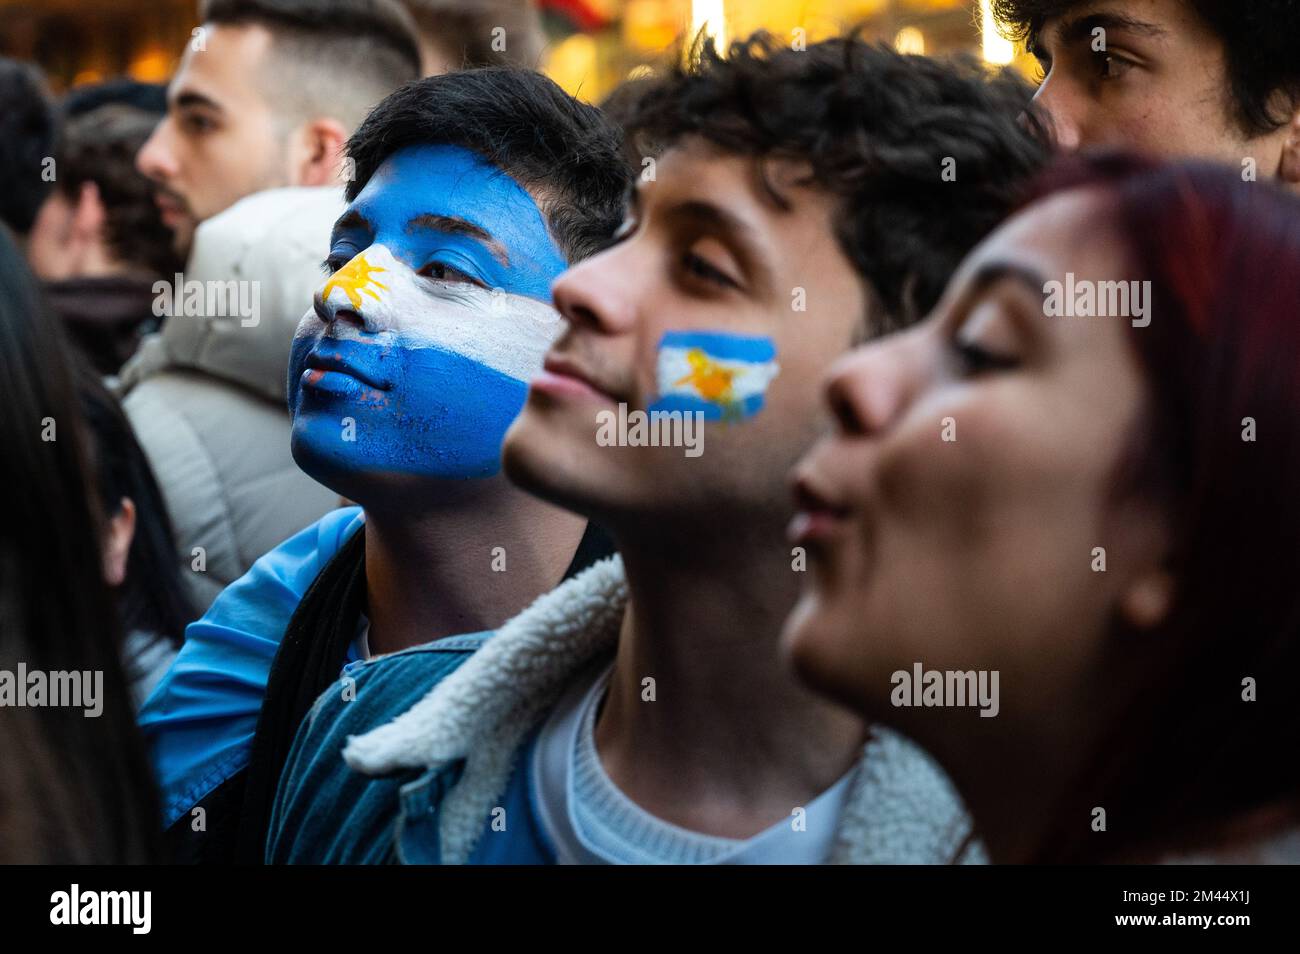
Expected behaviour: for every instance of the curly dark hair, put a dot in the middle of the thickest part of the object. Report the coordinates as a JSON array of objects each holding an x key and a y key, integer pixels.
[
  {"x": 879, "y": 130},
  {"x": 564, "y": 151},
  {"x": 1261, "y": 39},
  {"x": 100, "y": 147}
]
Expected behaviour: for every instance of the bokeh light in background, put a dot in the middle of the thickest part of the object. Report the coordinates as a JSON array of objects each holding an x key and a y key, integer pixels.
[
  {"x": 996, "y": 48},
  {"x": 88, "y": 41},
  {"x": 592, "y": 45},
  {"x": 910, "y": 40},
  {"x": 640, "y": 31},
  {"x": 710, "y": 18}
]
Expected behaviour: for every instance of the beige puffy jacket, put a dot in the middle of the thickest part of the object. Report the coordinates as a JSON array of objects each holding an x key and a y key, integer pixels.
[{"x": 206, "y": 395}]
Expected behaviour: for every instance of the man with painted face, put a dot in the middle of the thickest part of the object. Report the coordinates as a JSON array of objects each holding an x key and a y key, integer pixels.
[
  {"x": 1203, "y": 78},
  {"x": 802, "y": 201},
  {"x": 405, "y": 375}
]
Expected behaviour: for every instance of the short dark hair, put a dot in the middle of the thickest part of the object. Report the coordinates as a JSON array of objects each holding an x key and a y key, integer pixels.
[
  {"x": 28, "y": 122},
  {"x": 148, "y": 97},
  {"x": 565, "y": 152},
  {"x": 370, "y": 46},
  {"x": 100, "y": 147},
  {"x": 877, "y": 128},
  {"x": 1261, "y": 39}
]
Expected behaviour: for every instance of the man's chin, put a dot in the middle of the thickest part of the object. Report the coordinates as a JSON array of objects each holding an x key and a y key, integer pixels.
[
  {"x": 372, "y": 486},
  {"x": 519, "y": 453},
  {"x": 384, "y": 483},
  {"x": 329, "y": 468},
  {"x": 182, "y": 228},
  {"x": 540, "y": 457}
]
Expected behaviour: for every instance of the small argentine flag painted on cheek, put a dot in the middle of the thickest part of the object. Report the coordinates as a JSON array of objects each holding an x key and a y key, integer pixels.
[{"x": 722, "y": 376}]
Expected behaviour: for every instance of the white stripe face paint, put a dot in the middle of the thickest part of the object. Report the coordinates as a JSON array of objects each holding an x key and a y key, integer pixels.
[{"x": 431, "y": 372}]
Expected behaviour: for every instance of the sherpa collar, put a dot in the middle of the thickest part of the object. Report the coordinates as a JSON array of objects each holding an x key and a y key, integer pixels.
[{"x": 901, "y": 808}]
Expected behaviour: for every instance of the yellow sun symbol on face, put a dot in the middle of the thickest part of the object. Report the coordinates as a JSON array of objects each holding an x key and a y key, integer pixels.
[
  {"x": 355, "y": 278},
  {"x": 711, "y": 380}
]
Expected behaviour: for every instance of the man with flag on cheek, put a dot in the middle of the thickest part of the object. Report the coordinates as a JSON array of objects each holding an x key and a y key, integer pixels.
[
  {"x": 640, "y": 712},
  {"x": 405, "y": 374}
]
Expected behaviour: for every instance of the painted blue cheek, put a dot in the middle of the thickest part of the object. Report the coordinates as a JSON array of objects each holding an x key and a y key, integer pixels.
[
  {"x": 444, "y": 417},
  {"x": 451, "y": 414}
]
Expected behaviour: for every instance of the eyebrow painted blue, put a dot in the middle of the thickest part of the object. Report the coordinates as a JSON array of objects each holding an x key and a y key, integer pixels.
[{"x": 454, "y": 182}]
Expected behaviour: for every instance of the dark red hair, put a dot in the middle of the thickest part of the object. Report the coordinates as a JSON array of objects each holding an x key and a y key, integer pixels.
[{"x": 1186, "y": 762}]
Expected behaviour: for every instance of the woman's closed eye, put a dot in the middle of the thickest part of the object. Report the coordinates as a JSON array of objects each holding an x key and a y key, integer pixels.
[
  {"x": 986, "y": 340},
  {"x": 975, "y": 358}
]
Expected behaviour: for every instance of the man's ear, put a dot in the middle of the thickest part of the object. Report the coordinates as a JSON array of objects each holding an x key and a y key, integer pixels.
[
  {"x": 1289, "y": 168},
  {"x": 118, "y": 534},
  {"x": 88, "y": 216},
  {"x": 318, "y": 155}
]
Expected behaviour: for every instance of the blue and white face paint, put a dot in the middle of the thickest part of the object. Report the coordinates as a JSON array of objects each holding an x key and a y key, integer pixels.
[
  {"x": 722, "y": 376},
  {"x": 418, "y": 353}
]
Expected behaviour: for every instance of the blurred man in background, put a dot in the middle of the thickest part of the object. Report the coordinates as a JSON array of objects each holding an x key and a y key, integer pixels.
[
  {"x": 206, "y": 396},
  {"x": 267, "y": 93},
  {"x": 98, "y": 241},
  {"x": 1200, "y": 78}
]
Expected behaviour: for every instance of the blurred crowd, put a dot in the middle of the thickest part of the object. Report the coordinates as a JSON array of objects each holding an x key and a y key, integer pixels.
[{"x": 347, "y": 391}]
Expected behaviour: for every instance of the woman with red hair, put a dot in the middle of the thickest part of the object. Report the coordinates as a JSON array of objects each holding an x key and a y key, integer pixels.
[{"x": 1056, "y": 541}]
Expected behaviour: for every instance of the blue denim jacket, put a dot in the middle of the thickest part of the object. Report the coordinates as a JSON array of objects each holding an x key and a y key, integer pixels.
[
  {"x": 200, "y": 719},
  {"x": 487, "y": 695},
  {"x": 327, "y": 813}
]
